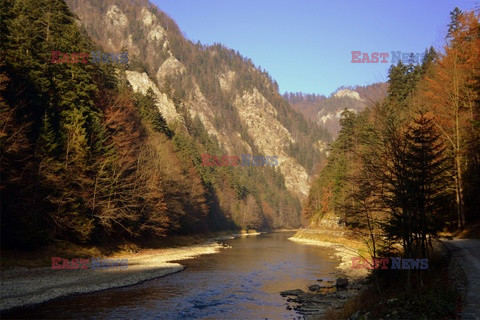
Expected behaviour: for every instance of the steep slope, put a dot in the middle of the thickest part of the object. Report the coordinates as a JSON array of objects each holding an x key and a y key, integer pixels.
[{"x": 238, "y": 105}]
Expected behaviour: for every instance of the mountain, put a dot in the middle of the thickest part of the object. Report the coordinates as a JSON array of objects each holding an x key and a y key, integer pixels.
[
  {"x": 326, "y": 111},
  {"x": 101, "y": 151},
  {"x": 238, "y": 104}
]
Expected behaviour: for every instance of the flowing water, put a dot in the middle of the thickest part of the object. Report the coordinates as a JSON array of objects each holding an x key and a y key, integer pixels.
[{"x": 241, "y": 282}]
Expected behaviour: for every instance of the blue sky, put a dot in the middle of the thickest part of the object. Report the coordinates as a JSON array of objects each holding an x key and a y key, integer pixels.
[{"x": 306, "y": 45}]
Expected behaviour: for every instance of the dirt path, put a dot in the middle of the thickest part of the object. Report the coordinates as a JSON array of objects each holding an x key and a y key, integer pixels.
[{"x": 467, "y": 253}]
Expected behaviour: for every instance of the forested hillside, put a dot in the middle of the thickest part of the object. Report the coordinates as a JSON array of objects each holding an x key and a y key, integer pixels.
[
  {"x": 326, "y": 111},
  {"x": 99, "y": 152},
  {"x": 408, "y": 167}
]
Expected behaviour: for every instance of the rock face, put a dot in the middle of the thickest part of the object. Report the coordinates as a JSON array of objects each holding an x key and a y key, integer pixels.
[
  {"x": 330, "y": 119},
  {"x": 116, "y": 18},
  {"x": 141, "y": 82},
  {"x": 330, "y": 221},
  {"x": 347, "y": 93},
  {"x": 226, "y": 80},
  {"x": 271, "y": 138},
  {"x": 170, "y": 67}
]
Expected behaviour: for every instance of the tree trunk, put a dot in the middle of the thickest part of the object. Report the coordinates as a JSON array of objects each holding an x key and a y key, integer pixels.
[{"x": 459, "y": 192}]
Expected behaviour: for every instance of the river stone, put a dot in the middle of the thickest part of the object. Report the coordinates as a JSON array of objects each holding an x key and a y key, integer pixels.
[
  {"x": 342, "y": 282},
  {"x": 314, "y": 287},
  {"x": 295, "y": 292}
]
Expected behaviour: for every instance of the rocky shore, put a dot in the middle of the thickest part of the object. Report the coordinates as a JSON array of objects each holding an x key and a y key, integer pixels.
[
  {"x": 320, "y": 297},
  {"x": 328, "y": 294}
]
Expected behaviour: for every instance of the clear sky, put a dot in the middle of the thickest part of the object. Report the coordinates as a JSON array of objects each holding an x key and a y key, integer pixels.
[{"x": 306, "y": 45}]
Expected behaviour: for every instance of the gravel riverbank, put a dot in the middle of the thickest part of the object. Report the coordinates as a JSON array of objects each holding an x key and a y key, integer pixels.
[{"x": 26, "y": 286}]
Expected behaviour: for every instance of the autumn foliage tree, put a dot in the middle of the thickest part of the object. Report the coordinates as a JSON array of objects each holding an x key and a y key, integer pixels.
[{"x": 451, "y": 91}]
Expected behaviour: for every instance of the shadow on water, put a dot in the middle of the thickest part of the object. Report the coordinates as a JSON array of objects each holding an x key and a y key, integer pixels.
[{"x": 241, "y": 282}]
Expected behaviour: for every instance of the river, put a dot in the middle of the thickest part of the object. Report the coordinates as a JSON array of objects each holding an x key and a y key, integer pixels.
[{"x": 240, "y": 282}]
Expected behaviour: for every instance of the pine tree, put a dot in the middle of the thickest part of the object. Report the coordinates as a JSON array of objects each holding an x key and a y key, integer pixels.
[
  {"x": 428, "y": 178},
  {"x": 454, "y": 22},
  {"x": 416, "y": 180}
]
